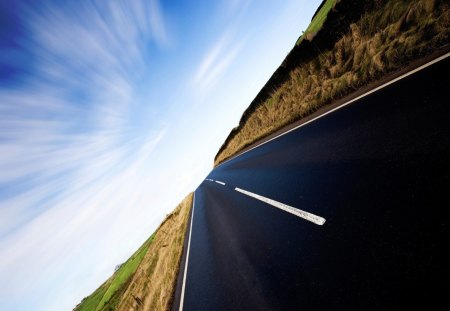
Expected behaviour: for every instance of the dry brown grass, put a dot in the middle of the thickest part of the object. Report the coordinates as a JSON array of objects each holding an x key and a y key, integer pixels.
[
  {"x": 153, "y": 284},
  {"x": 382, "y": 41}
]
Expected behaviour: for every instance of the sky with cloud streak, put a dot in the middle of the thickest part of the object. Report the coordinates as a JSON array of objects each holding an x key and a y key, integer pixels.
[{"x": 110, "y": 113}]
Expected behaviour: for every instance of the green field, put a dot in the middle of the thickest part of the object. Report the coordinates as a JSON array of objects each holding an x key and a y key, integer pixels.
[
  {"x": 317, "y": 21},
  {"x": 91, "y": 302},
  {"x": 147, "y": 280},
  {"x": 108, "y": 295}
]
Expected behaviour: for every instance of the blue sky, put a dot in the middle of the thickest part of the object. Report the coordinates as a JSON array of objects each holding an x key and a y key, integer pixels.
[{"x": 110, "y": 113}]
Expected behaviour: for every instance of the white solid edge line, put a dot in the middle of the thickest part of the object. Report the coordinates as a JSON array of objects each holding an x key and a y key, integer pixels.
[
  {"x": 298, "y": 212},
  {"x": 187, "y": 257},
  {"x": 219, "y": 182},
  {"x": 349, "y": 102}
]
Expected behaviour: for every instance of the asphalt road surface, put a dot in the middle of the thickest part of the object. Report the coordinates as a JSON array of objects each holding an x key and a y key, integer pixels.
[{"x": 373, "y": 179}]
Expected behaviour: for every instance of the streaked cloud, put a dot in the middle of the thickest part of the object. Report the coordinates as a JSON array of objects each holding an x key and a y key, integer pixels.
[
  {"x": 73, "y": 156},
  {"x": 216, "y": 62}
]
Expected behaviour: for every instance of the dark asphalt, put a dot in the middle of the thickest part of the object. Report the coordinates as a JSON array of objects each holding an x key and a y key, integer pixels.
[{"x": 377, "y": 171}]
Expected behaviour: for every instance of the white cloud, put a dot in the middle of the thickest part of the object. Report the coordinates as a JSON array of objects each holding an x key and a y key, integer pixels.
[
  {"x": 75, "y": 195},
  {"x": 216, "y": 62},
  {"x": 89, "y": 216}
]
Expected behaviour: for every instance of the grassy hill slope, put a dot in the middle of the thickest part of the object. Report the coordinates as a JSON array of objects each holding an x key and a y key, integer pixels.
[
  {"x": 147, "y": 279},
  {"x": 359, "y": 43}
]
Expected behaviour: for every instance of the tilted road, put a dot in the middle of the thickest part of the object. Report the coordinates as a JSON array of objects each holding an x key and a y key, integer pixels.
[{"x": 361, "y": 220}]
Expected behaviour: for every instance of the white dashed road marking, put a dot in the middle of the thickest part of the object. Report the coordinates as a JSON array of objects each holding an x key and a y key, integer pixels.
[{"x": 298, "y": 212}]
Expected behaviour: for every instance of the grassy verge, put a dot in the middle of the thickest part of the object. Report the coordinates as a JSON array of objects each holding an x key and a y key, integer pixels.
[
  {"x": 147, "y": 279},
  {"x": 317, "y": 21},
  {"x": 352, "y": 49}
]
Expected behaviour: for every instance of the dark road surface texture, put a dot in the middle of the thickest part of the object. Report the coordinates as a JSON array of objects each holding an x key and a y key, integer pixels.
[{"x": 377, "y": 170}]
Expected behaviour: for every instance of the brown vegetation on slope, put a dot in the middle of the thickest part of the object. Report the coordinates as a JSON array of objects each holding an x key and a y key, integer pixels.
[
  {"x": 359, "y": 43},
  {"x": 153, "y": 284}
]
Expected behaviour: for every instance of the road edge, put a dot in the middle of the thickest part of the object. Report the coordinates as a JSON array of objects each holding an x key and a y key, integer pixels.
[{"x": 178, "y": 299}]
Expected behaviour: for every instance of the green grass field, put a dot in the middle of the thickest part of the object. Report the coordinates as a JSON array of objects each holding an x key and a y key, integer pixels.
[
  {"x": 107, "y": 295},
  {"x": 147, "y": 280},
  {"x": 91, "y": 302},
  {"x": 317, "y": 21}
]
